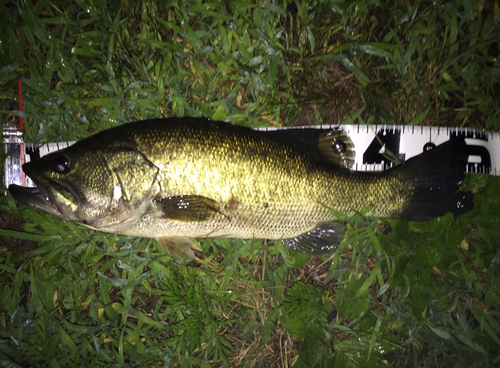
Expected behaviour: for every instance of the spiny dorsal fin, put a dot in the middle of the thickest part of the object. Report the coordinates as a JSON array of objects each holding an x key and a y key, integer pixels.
[
  {"x": 330, "y": 145},
  {"x": 337, "y": 147}
]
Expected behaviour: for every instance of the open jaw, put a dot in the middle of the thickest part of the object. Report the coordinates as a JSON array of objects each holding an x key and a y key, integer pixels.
[{"x": 53, "y": 197}]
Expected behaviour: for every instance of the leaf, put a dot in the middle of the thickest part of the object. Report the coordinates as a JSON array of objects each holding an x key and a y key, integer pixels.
[
  {"x": 453, "y": 30},
  {"x": 315, "y": 353},
  {"x": 440, "y": 332},
  {"x": 420, "y": 117},
  {"x": 27, "y": 236},
  {"x": 352, "y": 117},
  {"x": 299, "y": 259},
  {"x": 66, "y": 339},
  {"x": 268, "y": 325},
  {"x": 375, "y": 332},
  {"x": 378, "y": 49},
  {"x": 487, "y": 321},
  {"x": 349, "y": 303},
  {"x": 360, "y": 76}
]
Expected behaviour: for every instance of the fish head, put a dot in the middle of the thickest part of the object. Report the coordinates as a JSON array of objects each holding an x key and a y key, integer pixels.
[{"x": 107, "y": 189}]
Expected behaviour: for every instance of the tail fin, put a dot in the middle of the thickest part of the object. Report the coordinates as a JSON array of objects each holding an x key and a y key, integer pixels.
[{"x": 436, "y": 176}]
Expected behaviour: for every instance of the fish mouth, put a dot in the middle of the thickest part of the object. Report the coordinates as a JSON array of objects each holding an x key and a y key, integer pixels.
[
  {"x": 34, "y": 197},
  {"x": 53, "y": 196}
]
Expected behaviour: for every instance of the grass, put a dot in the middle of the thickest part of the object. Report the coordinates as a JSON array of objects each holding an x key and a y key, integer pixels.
[{"x": 395, "y": 294}]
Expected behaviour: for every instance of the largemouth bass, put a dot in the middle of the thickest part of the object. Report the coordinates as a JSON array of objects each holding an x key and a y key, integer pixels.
[{"x": 182, "y": 178}]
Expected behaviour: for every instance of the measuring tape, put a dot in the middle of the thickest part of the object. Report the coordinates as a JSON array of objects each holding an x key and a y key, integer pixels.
[{"x": 370, "y": 142}]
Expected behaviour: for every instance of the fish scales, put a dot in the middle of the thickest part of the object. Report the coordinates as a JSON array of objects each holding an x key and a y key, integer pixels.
[{"x": 264, "y": 188}]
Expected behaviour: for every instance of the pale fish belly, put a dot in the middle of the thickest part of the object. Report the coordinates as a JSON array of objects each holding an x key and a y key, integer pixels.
[{"x": 242, "y": 223}]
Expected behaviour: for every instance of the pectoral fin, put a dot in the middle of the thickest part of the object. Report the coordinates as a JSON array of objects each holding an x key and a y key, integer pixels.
[
  {"x": 322, "y": 240},
  {"x": 188, "y": 208}
]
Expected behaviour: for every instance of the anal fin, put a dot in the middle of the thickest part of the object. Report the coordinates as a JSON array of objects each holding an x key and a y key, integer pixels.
[{"x": 322, "y": 240}]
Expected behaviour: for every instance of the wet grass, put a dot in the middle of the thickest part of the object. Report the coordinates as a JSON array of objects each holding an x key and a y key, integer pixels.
[{"x": 395, "y": 293}]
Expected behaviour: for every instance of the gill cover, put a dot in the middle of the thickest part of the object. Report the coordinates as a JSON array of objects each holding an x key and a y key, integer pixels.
[{"x": 133, "y": 176}]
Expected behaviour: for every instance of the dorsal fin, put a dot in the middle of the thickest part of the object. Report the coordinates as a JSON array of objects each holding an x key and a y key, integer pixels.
[
  {"x": 337, "y": 147},
  {"x": 330, "y": 145}
]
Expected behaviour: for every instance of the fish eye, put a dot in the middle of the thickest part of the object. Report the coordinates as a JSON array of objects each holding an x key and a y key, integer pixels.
[{"x": 62, "y": 164}]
